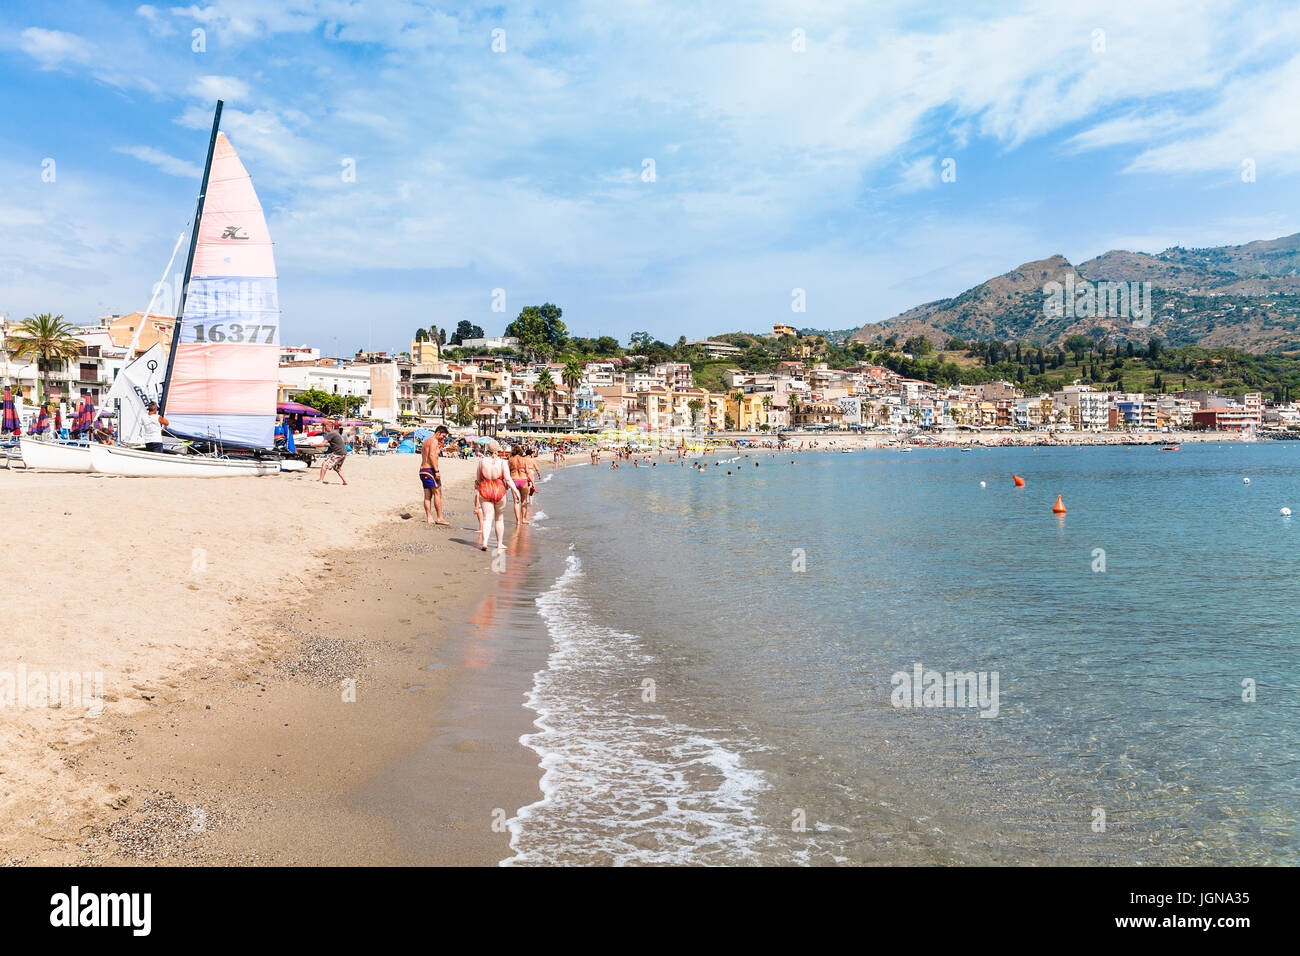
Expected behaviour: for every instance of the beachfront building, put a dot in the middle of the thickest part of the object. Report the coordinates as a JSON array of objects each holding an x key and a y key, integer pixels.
[
  {"x": 820, "y": 414},
  {"x": 1226, "y": 414},
  {"x": 87, "y": 375},
  {"x": 780, "y": 330},
  {"x": 334, "y": 376}
]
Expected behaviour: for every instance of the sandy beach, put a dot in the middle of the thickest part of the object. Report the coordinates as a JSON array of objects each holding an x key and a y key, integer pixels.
[{"x": 268, "y": 648}]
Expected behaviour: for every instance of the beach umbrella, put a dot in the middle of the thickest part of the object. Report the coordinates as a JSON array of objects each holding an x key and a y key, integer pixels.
[
  {"x": 295, "y": 408},
  {"x": 58, "y": 419},
  {"x": 9, "y": 424},
  {"x": 42, "y": 423}
]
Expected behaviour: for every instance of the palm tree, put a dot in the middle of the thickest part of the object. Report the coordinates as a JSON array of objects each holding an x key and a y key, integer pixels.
[
  {"x": 46, "y": 340},
  {"x": 739, "y": 396},
  {"x": 545, "y": 387},
  {"x": 443, "y": 394},
  {"x": 466, "y": 410},
  {"x": 695, "y": 405},
  {"x": 571, "y": 376}
]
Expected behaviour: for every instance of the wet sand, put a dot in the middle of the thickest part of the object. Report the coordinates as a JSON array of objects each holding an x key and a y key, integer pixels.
[{"x": 250, "y": 745}]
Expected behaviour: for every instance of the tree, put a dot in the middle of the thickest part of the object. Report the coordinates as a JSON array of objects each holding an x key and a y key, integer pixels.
[
  {"x": 333, "y": 406},
  {"x": 571, "y": 376},
  {"x": 607, "y": 345},
  {"x": 466, "y": 330},
  {"x": 545, "y": 387},
  {"x": 539, "y": 329},
  {"x": 739, "y": 397},
  {"x": 421, "y": 335},
  {"x": 695, "y": 406},
  {"x": 46, "y": 340},
  {"x": 639, "y": 342},
  {"x": 466, "y": 411},
  {"x": 918, "y": 345},
  {"x": 443, "y": 394}
]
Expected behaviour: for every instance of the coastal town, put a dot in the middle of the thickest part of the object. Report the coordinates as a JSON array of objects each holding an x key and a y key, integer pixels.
[{"x": 493, "y": 385}]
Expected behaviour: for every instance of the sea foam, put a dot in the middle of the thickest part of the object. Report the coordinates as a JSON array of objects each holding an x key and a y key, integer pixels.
[{"x": 624, "y": 783}]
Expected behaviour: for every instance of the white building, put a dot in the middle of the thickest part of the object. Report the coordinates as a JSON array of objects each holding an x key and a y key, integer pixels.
[
  {"x": 504, "y": 342},
  {"x": 335, "y": 378}
]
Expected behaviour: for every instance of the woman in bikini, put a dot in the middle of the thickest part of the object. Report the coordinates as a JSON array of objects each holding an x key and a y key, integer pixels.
[{"x": 519, "y": 477}]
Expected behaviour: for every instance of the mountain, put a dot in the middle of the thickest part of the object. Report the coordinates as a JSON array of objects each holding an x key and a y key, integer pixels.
[{"x": 1245, "y": 297}]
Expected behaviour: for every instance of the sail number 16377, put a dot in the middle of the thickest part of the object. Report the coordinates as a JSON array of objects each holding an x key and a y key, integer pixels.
[{"x": 234, "y": 332}]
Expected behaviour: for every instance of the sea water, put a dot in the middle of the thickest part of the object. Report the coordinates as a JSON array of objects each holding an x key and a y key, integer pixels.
[{"x": 729, "y": 655}]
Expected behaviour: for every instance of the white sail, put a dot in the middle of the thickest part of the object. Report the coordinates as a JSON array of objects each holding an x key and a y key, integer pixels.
[{"x": 139, "y": 383}]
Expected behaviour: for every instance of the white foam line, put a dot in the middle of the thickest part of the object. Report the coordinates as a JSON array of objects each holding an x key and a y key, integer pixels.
[{"x": 622, "y": 785}]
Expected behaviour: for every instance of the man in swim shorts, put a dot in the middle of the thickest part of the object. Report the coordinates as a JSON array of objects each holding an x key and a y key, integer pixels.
[{"x": 431, "y": 475}]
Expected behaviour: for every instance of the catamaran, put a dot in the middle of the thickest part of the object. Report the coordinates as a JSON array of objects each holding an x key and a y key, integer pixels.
[
  {"x": 49, "y": 455},
  {"x": 218, "y": 384}
]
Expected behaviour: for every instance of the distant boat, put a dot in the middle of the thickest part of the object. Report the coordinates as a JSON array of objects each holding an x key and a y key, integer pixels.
[{"x": 1170, "y": 448}]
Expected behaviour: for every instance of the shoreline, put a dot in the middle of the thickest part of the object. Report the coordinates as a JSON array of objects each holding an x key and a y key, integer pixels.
[{"x": 245, "y": 752}]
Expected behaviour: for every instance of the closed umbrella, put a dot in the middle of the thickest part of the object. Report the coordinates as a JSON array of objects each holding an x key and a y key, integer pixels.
[
  {"x": 85, "y": 418},
  {"x": 9, "y": 424},
  {"x": 42, "y": 423}
]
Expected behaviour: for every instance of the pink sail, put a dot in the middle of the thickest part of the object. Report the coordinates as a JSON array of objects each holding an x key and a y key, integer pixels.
[{"x": 224, "y": 379}]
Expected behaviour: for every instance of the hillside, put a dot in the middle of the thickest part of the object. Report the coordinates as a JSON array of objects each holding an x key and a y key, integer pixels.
[{"x": 1245, "y": 297}]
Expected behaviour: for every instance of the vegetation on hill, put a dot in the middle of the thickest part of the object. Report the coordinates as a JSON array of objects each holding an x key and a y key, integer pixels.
[
  {"x": 1101, "y": 360},
  {"x": 1245, "y": 297}
]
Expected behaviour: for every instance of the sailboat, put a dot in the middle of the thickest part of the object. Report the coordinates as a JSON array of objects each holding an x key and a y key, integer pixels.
[{"x": 218, "y": 389}]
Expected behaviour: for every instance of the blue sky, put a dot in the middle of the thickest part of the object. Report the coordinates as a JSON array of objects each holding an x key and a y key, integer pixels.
[{"x": 1072, "y": 128}]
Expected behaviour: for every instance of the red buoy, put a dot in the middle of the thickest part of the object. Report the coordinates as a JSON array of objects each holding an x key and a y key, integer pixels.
[
  {"x": 1059, "y": 507},
  {"x": 1020, "y": 482}
]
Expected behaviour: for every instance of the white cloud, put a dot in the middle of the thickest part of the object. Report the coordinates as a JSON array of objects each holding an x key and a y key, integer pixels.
[
  {"x": 918, "y": 174},
  {"x": 168, "y": 164},
  {"x": 212, "y": 88},
  {"x": 55, "y": 48}
]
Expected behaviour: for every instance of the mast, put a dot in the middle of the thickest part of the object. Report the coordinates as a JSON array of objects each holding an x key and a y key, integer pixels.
[{"x": 189, "y": 261}]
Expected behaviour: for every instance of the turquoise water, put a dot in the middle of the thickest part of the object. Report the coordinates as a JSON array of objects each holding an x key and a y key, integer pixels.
[{"x": 768, "y": 734}]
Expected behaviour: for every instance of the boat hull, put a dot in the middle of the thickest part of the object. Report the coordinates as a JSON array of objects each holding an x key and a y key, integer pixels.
[
  {"x": 134, "y": 463},
  {"x": 54, "y": 456}
]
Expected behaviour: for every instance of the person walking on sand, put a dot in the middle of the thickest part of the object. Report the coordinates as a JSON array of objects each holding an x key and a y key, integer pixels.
[
  {"x": 490, "y": 490},
  {"x": 338, "y": 450},
  {"x": 431, "y": 475},
  {"x": 519, "y": 478}
]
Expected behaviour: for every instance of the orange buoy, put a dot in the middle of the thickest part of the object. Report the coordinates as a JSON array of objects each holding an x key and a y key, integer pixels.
[
  {"x": 1059, "y": 507},
  {"x": 1020, "y": 482}
]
